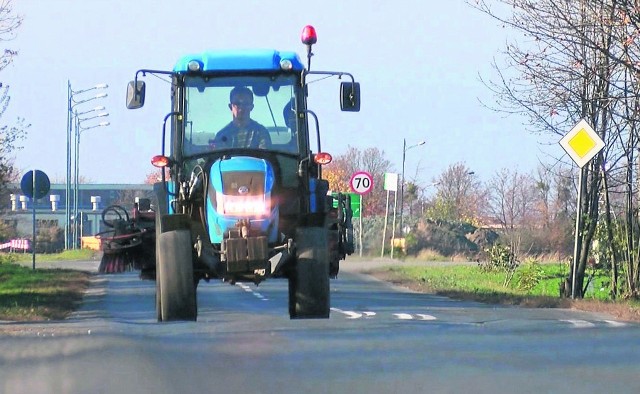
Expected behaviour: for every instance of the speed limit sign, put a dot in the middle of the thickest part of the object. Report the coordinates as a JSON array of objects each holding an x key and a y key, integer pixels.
[{"x": 361, "y": 182}]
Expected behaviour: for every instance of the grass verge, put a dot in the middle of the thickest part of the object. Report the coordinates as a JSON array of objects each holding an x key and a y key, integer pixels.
[
  {"x": 38, "y": 295},
  {"x": 67, "y": 255},
  {"x": 471, "y": 283}
]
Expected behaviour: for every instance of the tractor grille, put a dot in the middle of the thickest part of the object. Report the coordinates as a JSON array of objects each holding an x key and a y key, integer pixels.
[{"x": 245, "y": 183}]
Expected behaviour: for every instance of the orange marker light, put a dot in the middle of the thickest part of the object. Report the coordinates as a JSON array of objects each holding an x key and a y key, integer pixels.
[
  {"x": 160, "y": 161},
  {"x": 322, "y": 158}
]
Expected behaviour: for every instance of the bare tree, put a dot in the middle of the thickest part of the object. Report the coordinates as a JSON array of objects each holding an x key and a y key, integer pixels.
[
  {"x": 458, "y": 192},
  {"x": 10, "y": 135},
  {"x": 9, "y": 24},
  {"x": 511, "y": 198},
  {"x": 513, "y": 203},
  {"x": 576, "y": 60},
  {"x": 372, "y": 160},
  {"x": 412, "y": 196}
]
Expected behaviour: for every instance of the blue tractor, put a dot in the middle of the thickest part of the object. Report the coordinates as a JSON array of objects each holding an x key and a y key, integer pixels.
[{"x": 234, "y": 209}]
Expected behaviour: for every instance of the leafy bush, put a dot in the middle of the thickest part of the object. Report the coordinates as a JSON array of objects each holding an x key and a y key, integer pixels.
[
  {"x": 500, "y": 258},
  {"x": 7, "y": 258},
  {"x": 7, "y": 230},
  {"x": 530, "y": 275}
]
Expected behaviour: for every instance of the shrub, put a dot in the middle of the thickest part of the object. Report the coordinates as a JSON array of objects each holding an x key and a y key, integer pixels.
[
  {"x": 7, "y": 258},
  {"x": 500, "y": 258},
  {"x": 530, "y": 275}
]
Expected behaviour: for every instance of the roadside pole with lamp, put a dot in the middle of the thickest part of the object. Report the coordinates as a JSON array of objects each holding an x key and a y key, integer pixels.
[
  {"x": 79, "y": 130},
  {"x": 405, "y": 148},
  {"x": 72, "y": 102}
]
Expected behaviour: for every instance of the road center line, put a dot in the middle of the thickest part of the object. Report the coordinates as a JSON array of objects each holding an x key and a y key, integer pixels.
[{"x": 250, "y": 290}]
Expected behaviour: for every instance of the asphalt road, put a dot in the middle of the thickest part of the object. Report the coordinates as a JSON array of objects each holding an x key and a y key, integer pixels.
[{"x": 379, "y": 339}]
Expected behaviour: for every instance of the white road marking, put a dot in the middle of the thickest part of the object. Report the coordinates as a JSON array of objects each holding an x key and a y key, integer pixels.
[
  {"x": 250, "y": 290},
  {"x": 579, "y": 323},
  {"x": 355, "y": 315},
  {"x": 348, "y": 314},
  {"x": 615, "y": 323},
  {"x": 370, "y": 315}
]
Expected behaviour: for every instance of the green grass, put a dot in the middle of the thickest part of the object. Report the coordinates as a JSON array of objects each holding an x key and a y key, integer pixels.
[
  {"x": 469, "y": 282},
  {"x": 470, "y": 279},
  {"x": 67, "y": 255},
  {"x": 44, "y": 294}
]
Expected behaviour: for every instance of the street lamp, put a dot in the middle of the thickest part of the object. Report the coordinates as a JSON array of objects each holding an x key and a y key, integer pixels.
[
  {"x": 405, "y": 148},
  {"x": 79, "y": 130},
  {"x": 72, "y": 101}
]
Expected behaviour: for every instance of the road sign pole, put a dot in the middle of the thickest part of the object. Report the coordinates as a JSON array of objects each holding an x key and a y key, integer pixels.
[
  {"x": 393, "y": 226},
  {"x": 574, "y": 269},
  {"x": 33, "y": 217},
  {"x": 34, "y": 184},
  {"x": 361, "y": 215},
  {"x": 581, "y": 143},
  {"x": 384, "y": 229}
]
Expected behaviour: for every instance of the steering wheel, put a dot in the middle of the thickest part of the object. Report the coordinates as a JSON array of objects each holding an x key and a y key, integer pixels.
[{"x": 115, "y": 214}]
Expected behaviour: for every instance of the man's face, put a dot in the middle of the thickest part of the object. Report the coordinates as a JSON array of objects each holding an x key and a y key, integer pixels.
[{"x": 241, "y": 106}]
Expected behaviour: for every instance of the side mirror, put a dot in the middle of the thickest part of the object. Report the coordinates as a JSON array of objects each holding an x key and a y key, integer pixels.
[
  {"x": 135, "y": 94},
  {"x": 350, "y": 96}
]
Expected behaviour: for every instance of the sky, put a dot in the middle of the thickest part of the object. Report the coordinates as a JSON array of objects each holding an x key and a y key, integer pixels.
[{"x": 419, "y": 65}]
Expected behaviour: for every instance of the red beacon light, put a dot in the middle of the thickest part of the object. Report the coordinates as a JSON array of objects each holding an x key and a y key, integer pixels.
[
  {"x": 160, "y": 161},
  {"x": 322, "y": 158},
  {"x": 309, "y": 36}
]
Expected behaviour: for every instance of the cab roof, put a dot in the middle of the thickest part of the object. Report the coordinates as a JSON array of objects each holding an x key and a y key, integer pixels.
[{"x": 239, "y": 60}]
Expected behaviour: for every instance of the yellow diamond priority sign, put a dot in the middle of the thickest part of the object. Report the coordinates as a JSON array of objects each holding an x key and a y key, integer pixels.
[{"x": 582, "y": 143}]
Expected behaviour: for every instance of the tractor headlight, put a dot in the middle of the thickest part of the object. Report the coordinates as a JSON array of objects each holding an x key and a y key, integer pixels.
[{"x": 243, "y": 205}]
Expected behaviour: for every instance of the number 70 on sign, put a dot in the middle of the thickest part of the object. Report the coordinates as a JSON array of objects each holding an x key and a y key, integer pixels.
[{"x": 361, "y": 182}]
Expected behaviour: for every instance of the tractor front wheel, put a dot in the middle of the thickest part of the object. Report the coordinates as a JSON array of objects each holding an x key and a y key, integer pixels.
[
  {"x": 309, "y": 279},
  {"x": 175, "y": 289}
]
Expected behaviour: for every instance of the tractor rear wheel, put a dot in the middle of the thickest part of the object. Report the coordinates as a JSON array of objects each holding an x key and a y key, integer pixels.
[
  {"x": 176, "y": 292},
  {"x": 309, "y": 279}
]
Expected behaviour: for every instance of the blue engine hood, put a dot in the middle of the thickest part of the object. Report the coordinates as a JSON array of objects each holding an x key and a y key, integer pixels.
[{"x": 237, "y": 176}]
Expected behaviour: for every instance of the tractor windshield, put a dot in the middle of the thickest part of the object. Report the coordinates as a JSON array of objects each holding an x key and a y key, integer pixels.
[{"x": 240, "y": 112}]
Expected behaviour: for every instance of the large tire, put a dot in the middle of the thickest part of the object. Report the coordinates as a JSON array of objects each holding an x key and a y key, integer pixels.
[
  {"x": 157, "y": 270},
  {"x": 174, "y": 274},
  {"x": 158, "y": 296},
  {"x": 309, "y": 279}
]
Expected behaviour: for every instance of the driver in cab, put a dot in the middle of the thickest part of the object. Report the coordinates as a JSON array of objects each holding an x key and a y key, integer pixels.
[{"x": 242, "y": 131}]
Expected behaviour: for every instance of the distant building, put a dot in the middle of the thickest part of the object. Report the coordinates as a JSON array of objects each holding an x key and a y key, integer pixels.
[{"x": 17, "y": 209}]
